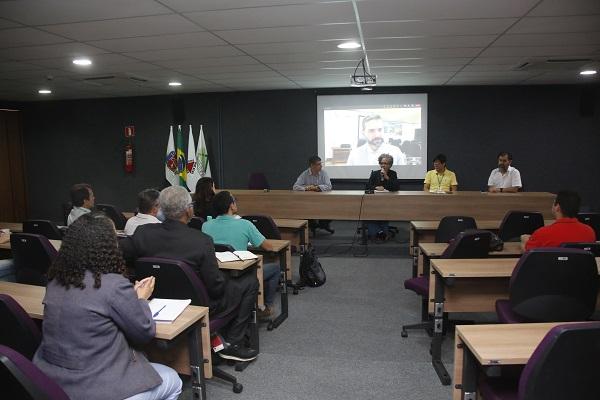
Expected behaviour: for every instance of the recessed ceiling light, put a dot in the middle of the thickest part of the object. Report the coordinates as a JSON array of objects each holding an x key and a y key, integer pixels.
[
  {"x": 82, "y": 61},
  {"x": 174, "y": 83},
  {"x": 44, "y": 91},
  {"x": 349, "y": 45},
  {"x": 366, "y": 89},
  {"x": 588, "y": 72}
]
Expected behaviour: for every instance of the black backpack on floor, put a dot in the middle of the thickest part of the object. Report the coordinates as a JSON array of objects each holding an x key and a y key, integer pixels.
[{"x": 311, "y": 271}]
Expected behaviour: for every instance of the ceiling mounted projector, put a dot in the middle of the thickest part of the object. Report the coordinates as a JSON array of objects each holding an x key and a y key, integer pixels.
[{"x": 362, "y": 77}]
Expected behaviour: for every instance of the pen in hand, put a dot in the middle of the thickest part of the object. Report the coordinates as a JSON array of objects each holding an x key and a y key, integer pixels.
[{"x": 156, "y": 313}]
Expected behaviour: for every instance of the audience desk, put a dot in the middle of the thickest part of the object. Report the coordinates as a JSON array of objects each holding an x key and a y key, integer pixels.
[
  {"x": 188, "y": 357},
  {"x": 479, "y": 346},
  {"x": 466, "y": 285}
]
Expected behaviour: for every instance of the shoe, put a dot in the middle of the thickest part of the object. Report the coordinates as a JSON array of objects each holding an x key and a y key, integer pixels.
[
  {"x": 238, "y": 352},
  {"x": 265, "y": 314}
]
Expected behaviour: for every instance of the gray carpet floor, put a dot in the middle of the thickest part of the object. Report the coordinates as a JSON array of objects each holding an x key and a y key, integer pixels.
[{"x": 342, "y": 340}]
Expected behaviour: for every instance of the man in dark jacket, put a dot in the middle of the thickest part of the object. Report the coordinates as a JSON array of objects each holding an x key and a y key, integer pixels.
[{"x": 174, "y": 239}]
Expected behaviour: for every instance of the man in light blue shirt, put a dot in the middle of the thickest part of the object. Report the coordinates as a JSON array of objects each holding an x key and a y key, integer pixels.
[
  {"x": 313, "y": 179},
  {"x": 229, "y": 228}
]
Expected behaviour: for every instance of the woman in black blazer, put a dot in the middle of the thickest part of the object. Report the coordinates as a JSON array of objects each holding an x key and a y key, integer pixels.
[{"x": 383, "y": 179}]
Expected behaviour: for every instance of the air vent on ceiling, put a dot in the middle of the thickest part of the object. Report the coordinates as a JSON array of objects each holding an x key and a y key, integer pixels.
[
  {"x": 555, "y": 64},
  {"x": 99, "y": 78},
  {"x": 137, "y": 79}
]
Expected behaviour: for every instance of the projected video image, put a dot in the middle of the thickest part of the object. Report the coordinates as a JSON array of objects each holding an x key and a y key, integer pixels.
[{"x": 359, "y": 136}]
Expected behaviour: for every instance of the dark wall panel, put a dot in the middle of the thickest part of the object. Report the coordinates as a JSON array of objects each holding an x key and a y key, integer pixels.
[{"x": 274, "y": 132}]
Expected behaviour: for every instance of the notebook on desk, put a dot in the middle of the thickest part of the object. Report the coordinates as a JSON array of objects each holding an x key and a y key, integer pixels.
[
  {"x": 165, "y": 311},
  {"x": 238, "y": 255}
]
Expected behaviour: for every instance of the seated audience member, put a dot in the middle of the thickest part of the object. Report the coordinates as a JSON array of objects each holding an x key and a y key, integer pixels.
[
  {"x": 505, "y": 178},
  {"x": 203, "y": 197},
  {"x": 82, "y": 198},
  {"x": 366, "y": 154},
  {"x": 566, "y": 228},
  {"x": 382, "y": 179},
  {"x": 229, "y": 229},
  {"x": 147, "y": 211},
  {"x": 7, "y": 269},
  {"x": 95, "y": 319},
  {"x": 174, "y": 239},
  {"x": 314, "y": 179},
  {"x": 440, "y": 179}
]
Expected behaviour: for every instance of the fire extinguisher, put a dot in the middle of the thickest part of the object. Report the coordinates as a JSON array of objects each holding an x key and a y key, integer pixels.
[{"x": 129, "y": 135}]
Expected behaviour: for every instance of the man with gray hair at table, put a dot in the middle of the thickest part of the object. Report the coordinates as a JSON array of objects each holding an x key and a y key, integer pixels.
[{"x": 173, "y": 239}]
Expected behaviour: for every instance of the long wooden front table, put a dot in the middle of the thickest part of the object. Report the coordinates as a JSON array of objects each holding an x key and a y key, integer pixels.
[
  {"x": 399, "y": 206},
  {"x": 188, "y": 357}
]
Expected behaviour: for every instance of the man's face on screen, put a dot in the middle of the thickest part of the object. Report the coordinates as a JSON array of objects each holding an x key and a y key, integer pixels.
[{"x": 374, "y": 132}]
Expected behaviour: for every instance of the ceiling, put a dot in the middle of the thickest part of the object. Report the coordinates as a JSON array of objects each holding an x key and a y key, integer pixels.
[{"x": 138, "y": 46}]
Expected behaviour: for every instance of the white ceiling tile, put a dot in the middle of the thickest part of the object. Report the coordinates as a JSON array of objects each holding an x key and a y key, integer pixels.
[
  {"x": 99, "y": 61},
  {"x": 27, "y": 37},
  {"x": 72, "y": 49},
  {"x": 199, "y": 71},
  {"x": 309, "y": 57},
  {"x": 539, "y": 51},
  {"x": 291, "y": 34},
  {"x": 186, "y": 53},
  {"x": 585, "y": 23},
  {"x": 163, "y": 42},
  {"x": 263, "y": 17},
  {"x": 8, "y": 24},
  {"x": 484, "y": 81},
  {"x": 433, "y": 53},
  {"x": 39, "y": 12},
  {"x": 430, "y": 42},
  {"x": 489, "y": 67},
  {"x": 502, "y": 60},
  {"x": 562, "y": 8},
  {"x": 17, "y": 66},
  {"x": 207, "y": 5},
  {"x": 206, "y": 62},
  {"x": 389, "y": 10},
  {"x": 551, "y": 39},
  {"x": 437, "y": 28},
  {"x": 240, "y": 75},
  {"x": 126, "y": 27},
  {"x": 312, "y": 65},
  {"x": 295, "y": 47},
  {"x": 38, "y": 74}
]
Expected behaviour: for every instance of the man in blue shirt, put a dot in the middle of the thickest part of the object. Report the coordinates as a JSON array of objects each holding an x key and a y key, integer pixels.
[{"x": 229, "y": 228}]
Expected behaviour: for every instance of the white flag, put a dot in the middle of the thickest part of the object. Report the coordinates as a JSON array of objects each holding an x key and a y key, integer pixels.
[
  {"x": 203, "y": 164},
  {"x": 193, "y": 175},
  {"x": 171, "y": 174}
]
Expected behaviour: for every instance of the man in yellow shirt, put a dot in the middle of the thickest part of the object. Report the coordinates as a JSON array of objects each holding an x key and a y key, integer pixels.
[{"x": 440, "y": 179}]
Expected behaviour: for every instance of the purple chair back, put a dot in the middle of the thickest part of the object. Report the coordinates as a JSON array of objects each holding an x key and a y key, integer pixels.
[
  {"x": 554, "y": 285},
  {"x": 42, "y": 227},
  {"x": 196, "y": 223},
  {"x": 450, "y": 226},
  {"x": 565, "y": 365},
  {"x": 469, "y": 244},
  {"x": 593, "y": 248},
  {"x": 258, "y": 181},
  {"x": 517, "y": 223},
  {"x": 113, "y": 213},
  {"x": 18, "y": 332},
  {"x": 175, "y": 279},
  {"x": 265, "y": 225},
  {"x": 21, "y": 379},
  {"x": 32, "y": 256}
]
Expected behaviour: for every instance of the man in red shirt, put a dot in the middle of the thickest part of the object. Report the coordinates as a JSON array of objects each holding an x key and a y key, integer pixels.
[{"x": 566, "y": 228}]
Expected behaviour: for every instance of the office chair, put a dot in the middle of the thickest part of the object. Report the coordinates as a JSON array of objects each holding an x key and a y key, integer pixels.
[
  {"x": 177, "y": 280},
  {"x": 269, "y": 230},
  {"x": 196, "y": 223},
  {"x": 591, "y": 219},
  {"x": 66, "y": 210},
  {"x": 21, "y": 379},
  {"x": 258, "y": 181},
  {"x": 18, "y": 332},
  {"x": 220, "y": 247},
  {"x": 593, "y": 248},
  {"x": 563, "y": 366},
  {"x": 32, "y": 256},
  {"x": 551, "y": 285},
  {"x": 517, "y": 223},
  {"x": 113, "y": 213},
  {"x": 451, "y": 226},
  {"x": 468, "y": 244},
  {"x": 43, "y": 227}
]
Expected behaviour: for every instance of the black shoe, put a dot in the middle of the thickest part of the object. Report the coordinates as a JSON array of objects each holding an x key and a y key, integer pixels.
[{"x": 239, "y": 353}]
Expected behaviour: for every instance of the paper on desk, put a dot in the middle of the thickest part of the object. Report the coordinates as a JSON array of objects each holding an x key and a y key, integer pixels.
[
  {"x": 238, "y": 255},
  {"x": 381, "y": 191},
  {"x": 172, "y": 309},
  {"x": 245, "y": 255}
]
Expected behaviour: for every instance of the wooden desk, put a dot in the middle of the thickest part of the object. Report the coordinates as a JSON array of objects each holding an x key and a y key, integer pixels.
[
  {"x": 237, "y": 268},
  {"x": 186, "y": 357},
  {"x": 466, "y": 285},
  {"x": 12, "y": 226},
  {"x": 55, "y": 243},
  {"x": 294, "y": 230},
  {"x": 491, "y": 345},
  {"x": 282, "y": 249}
]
